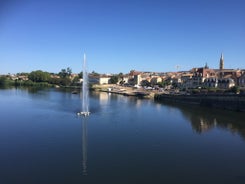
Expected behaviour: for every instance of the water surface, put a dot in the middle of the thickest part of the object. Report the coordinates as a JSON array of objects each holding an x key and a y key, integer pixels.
[{"x": 125, "y": 140}]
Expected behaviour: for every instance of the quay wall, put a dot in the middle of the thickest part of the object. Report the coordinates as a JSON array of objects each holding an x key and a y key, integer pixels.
[{"x": 230, "y": 102}]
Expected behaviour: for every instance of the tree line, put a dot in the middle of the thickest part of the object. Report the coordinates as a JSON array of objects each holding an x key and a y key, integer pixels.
[{"x": 43, "y": 78}]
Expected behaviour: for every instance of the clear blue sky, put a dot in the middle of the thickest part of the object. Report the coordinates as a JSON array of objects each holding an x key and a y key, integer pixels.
[{"x": 120, "y": 35}]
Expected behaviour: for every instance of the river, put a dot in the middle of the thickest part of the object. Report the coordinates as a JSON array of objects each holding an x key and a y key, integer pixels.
[{"x": 124, "y": 140}]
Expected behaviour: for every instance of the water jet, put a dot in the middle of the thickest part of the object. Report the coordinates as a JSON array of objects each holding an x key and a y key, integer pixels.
[{"x": 85, "y": 103}]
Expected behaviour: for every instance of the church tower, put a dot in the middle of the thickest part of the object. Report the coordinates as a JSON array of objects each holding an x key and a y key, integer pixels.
[{"x": 221, "y": 62}]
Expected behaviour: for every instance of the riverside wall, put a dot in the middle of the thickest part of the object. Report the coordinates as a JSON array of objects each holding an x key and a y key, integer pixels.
[{"x": 230, "y": 102}]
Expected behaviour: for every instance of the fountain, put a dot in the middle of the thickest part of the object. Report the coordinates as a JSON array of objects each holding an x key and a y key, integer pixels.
[{"x": 85, "y": 112}]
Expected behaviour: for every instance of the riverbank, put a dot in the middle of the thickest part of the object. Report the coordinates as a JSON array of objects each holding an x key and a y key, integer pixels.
[
  {"x": 126, "y": 91},
  {"x": 232, "y": 102}
]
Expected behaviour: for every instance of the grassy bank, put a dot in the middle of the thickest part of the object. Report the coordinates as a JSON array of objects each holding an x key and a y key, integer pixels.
[{"x": 5, "y": 82}]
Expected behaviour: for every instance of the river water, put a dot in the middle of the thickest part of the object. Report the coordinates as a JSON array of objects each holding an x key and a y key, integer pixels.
[{"x": 124, "y": 140}]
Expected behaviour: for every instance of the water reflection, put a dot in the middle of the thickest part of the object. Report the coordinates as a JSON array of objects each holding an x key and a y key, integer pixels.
[
  {"x": 204, "y": 119},
  {"x": 104, "y": 98},
  {"x": 84, "y": 146}
]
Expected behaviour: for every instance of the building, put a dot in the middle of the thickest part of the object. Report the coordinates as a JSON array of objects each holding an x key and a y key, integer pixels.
[
  {"x": 123, "y": 79},
  {"x": 134, "y": 78},
  {"x": 211, "y": 82},
  {"x": 100, "y": 79},
  {"x": 227, "y": 73},
  {"x": 156, "y": 79},
  {"x": 226, "y": 83},
  {"x": 241, "y": 80},
  {"x": 200, "y": 74},
  {"x": 186, "y": 80}
]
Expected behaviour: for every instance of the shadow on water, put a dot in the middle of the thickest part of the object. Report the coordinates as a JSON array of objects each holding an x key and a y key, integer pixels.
[{"x": 203, "y": 119}]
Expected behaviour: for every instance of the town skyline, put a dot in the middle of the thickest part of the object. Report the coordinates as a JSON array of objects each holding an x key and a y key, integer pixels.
[
  {"x": 177, "y": 69},
  {"x": 119, "y": 36},
  {"x": 193, "y": 78}
]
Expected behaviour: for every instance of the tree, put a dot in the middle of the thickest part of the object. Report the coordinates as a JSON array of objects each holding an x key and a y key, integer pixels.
[
  {"x": 80, "y": 75},
  {"x": 56, "y": 81},
  {"x": 65, "y": 76},
  {"x": 39, "y": 76},
  {"x": 22, "y": 73},
  {"x": 65, "y": 72},
  {"x": 69, "y": 71},
  {"x": 114, "y": 79},
  {"x": 120, "y": 75},
  {"x": 3, "y": 81},
  {"x": 234, "y": 89},
  {"x": 95, "y": 73},
  {"x": 76, "y": 81},
  {"x": 62, "y": 73},
  {"x": 121, "y": 78},
  {"x": 145, "y": 83},
  {"x": 65, "y": 81}
]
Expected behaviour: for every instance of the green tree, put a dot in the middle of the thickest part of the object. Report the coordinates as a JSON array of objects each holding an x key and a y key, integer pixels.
[
  {"x": 56, "y": 81},
  {"x": 235, "y": 89},
  {"x": 65, "y": 76},
  {"x": 62, "y": 73},
  {"x": 80, "y": 75},
  {"x": 95, "y": 73},
  {"x": 114, "y": 79},
  {"x": 65, "y": 72},
  {"x": 75, "y": 81},
  {"x": 65, "y": 81},
  {"x": 23, "y": 73},
  {"x": 3, "y": 81},
  {"x": 69, "y": 71},
  {"x": 120, "y": 75},
  {"x": 145, "y": 83},
  {"x": 39, "y": 76}
]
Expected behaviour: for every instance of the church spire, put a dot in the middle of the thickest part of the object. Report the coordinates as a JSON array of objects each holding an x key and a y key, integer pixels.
[
  {"x": 221, "y": 62},
  {"x": 206, "y": 66}
]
